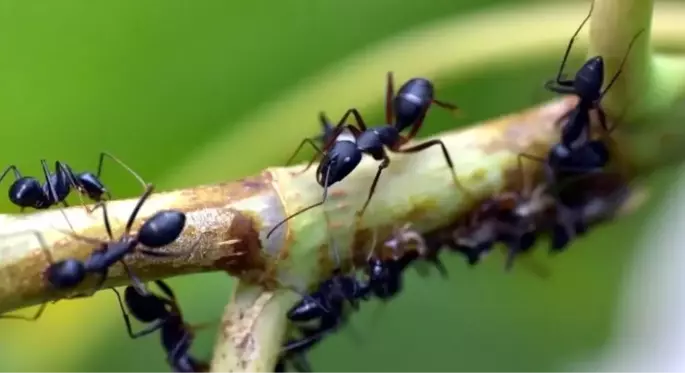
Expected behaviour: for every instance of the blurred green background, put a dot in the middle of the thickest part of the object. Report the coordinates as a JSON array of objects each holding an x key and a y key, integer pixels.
[{"x": 155, "y": 81}]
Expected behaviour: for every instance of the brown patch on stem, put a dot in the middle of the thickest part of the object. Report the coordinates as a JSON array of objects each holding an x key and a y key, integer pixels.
[{"x": 244, "y": 258}]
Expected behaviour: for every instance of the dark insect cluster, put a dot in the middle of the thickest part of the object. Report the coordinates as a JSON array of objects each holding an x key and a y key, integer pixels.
[
  {"x": 576, "y": 188},
  {"x": 161, "y": 229}
]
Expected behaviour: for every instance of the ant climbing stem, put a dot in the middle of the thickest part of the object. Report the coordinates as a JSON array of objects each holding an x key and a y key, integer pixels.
[
  {"x": 162, "y": 313},
  {"x": 587, "y": 85},
  {"x": 161, "y": 229},
  {"x": 342, "y": 154}
]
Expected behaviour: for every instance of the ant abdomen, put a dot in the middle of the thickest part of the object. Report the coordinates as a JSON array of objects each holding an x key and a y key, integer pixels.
[
  {"x": 411, "y": 101},
  {"x": 589, "y": 79},
  {"x": 66, "y": 274},
  {"x": 146, "y": 308},
  {"x": 307, "y": 309},
  {"x": 27, "y": 192},
  {"x": 162, "y": 228}
]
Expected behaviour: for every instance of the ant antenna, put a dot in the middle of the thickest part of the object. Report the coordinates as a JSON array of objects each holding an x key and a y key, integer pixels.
[
  {"x": 323, "y": 200},
  {"x": 623, "y": 62},
  {"x": 122, "y": 164},
  {"x": 374, "y": 241},
  {"x": 149, "y": 188},
  {"x": 573, "y": 39}
]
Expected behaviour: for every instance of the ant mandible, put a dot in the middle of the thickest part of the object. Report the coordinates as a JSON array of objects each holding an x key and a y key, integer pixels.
[
  {"x": 164, "y": 314},
  {"x": 27, "y": 191},
  {"x": 342, "y": 154}
]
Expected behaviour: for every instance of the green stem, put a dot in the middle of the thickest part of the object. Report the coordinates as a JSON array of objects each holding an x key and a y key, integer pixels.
[{"x": 649, "y": 84}]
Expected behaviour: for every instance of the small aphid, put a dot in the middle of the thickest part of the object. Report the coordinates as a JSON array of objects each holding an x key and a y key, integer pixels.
[{"x": 405, "y": 237}]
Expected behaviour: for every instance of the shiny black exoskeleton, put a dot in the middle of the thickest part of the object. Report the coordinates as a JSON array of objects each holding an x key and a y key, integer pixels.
[
  {"x": 576, "y": 152},
  {"x": 343, "y": 151},
  {"x": 27, "y": 191},
  {"x": 163, "y": 228},
  {"x": 163, "y": 314},
  {"x": 385, "y": 277}
]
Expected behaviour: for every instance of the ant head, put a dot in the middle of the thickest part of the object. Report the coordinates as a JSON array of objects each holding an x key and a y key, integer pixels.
[
  {"x": 340, "y": 160},
  {"x": 145, "y": 308},
  {"x": 66, "y": 274},
  {"x": 26, "y": 192},
  {"x": 558, "y": 155},
  {"x": 589, "y": 79},
  {"x": 162, "y": 228},
  {"x": 90, "y": 183}
]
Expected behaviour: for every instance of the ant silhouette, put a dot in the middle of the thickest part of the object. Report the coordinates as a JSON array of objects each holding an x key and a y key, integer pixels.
[
  {"x": 27, "y": 191},
  {"x": 576, "y": 151},
  {"x": 163, "y": 314},
  {"x": 160, "y": 230},
  {"x": 326, "y": 305},
  {"x": 343, "y": 151}
]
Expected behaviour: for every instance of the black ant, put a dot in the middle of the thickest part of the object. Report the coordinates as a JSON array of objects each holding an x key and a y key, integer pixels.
[
  {"x": 164, "y": 314},
  {"x": 326, "y": 305},
  {"x": 161, "y": 229},
  {"x": 342, "y": 154},
  {"x": 27, "y": 191},
  {"x": 576, "y": 151}
]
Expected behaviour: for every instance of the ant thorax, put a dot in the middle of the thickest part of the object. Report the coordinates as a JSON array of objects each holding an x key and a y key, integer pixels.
[{"x": 346, "y": 135}]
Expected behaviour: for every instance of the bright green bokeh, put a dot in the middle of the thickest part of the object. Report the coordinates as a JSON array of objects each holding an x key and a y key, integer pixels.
[{"x": 151, "y": 81}]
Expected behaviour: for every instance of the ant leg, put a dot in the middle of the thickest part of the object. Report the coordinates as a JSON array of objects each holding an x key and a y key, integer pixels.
[
  {"x": 382, "y": 166},
  {"x": 448, "y": 159},
  {"x": 562, "y": 85},
  {"x": 181, "y": 347},
  {"x": 134, "y": 213},
  {"x": 414, "y": 130},
  {"x": 305, "y": 343},
  {"x": 35, "y": 317},
  {"x": 62, "y": 170},
  {"x": 135, "y": 281},
  {"x": 166, "y": 289},
  {"x": 620, "y": 67},
  {"x": 122, "y": 164},
  {"x": 152, "y": 328},
  {"x": 446, "y": 105},
  {"x": 389, "y": 97},
  {"x": 17, "y": 174},
  {"x": 309, "y": 141},
  {"x": 48, "y": 182},
  {"x": 357, "y": 116},
  {"x": 317, "y": 204}
]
